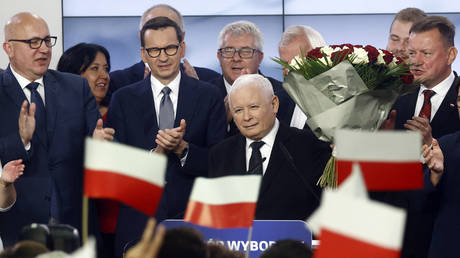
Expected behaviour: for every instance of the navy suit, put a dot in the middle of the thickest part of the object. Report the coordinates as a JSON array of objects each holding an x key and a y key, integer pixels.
[
  {"x": 52, "y": 181},
  {"x": 288, "y": 189},
  {"x": 444, "y": 242},
  {"x": 286, "y": 107},
  {"x": 419, "y": 223},
  {"x": 135, "y": 73},
  {"x": 132, "y": 114}
]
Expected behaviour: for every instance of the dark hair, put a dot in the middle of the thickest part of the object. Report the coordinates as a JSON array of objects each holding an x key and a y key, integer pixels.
[
  {"x": 183, "y": 242},
  {"x": 444, "y": 26},
  {"x": 79, "y": 57},
  {"x": 287, "y": 248},
  {"x": 160, "y": 23}
]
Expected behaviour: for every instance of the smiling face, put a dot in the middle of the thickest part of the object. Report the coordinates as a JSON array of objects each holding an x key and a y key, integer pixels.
[
  {"x": 164, "y": 68},
  {"x": 98, "y": 78},
  {"x": 29, "y": 63},
  {"x": 232, "y": 68},
  {"x": 398, "y": 39},
  {"x": 254, "y": 112},
  {"x": 430, "y": 59}
]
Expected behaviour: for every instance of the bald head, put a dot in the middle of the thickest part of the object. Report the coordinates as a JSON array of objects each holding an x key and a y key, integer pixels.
[
  {"x": 20, "y": 23},
  {"x": 162, "y": 10}
]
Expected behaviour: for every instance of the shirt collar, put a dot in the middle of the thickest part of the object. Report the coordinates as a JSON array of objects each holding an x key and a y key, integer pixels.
[
  {"x": 157, "y": 86},
  {"x": 442, "y": 88},
  {"x": 23, "y": 82},
  {"x": 227, "y": 85},
  {"x": 268, "y": 139}
]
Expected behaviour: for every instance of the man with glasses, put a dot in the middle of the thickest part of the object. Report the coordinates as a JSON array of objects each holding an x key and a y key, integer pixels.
[
  {"x": 240, "y": 52},
  {"x": 167, "y": 112},
  {"x": 61, "y": 114}
]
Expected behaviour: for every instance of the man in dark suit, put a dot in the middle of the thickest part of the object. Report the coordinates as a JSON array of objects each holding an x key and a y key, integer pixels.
[
  {"x": 431, "y": 109},
  {"x": 296, "y": 40},
  {"x": 291, "y": 160},
  {"x": 241, "y": 52},
  {"x": 139, "y": 71},
  {"x": 170, "y": 113},
  {"x": 52, "y": 145}
]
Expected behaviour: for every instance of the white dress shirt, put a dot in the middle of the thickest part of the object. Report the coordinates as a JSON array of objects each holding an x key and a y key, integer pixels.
[
  {"x": 157, "y": 86},
  {"x": 266, "y": 149},
  {"x": 23, "y": 82},
  {"x": 441, "y": 91}
]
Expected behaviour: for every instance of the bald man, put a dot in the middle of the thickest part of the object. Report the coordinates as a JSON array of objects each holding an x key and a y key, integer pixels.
[
  {"x": 290, "y": 160},
  {"x": 51, "y": 145}
]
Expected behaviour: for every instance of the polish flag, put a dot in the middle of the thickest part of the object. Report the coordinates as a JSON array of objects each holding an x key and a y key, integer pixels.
[
  {"x": 388, "y": 160},
  {"x": 353, "y": 227},
  {"x": 130, "y": 175},
  {"x": 224, "y": 202}
]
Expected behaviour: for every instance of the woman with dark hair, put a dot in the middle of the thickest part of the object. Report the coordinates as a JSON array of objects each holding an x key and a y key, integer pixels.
[{"x": 92, "y": 62}]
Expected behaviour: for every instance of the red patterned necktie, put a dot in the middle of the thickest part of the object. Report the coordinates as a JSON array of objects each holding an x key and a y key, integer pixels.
[{"x": 426, "y": 108}]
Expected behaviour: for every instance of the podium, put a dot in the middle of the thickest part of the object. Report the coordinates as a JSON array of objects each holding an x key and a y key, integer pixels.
[{"x": 264, "y": 234}]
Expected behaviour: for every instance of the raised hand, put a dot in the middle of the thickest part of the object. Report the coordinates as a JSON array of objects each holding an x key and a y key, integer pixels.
[
  {"x": 421, "y": 124},
  {"x": 102, "y": 133},
  {"x": 12, "y": 171},
  {"x": 150, "y": 243},
  {"x": 26, "y": 122},
  {"x": 434, "y": 159},
  {"x": 172, "y": 139}
]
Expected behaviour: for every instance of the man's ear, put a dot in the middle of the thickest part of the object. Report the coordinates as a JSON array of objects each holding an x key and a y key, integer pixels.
[
  {"x": 451, "y": 54},
  {"x": 8, "y": 48}
]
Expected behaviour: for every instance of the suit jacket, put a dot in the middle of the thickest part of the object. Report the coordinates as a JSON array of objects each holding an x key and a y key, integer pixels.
[
  {"x": 285, "y": 110},
  {"x": 132, "y": 114},
  {"x": 447, "y": 197},
  {"x": 135, "y": 73},
  {"x": 52, "y": 181},
  {"x": 288, "y": 189},
  {"x": 420, "y": 221}
]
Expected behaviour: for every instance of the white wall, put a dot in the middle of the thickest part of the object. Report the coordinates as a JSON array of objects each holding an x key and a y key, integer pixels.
[{"x": 50, "y": 10}]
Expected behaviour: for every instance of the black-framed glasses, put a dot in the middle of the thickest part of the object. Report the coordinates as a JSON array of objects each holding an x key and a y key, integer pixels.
[
  {"x": 36, "y": 43},
  {"x": 244, "y": 52},
  {"x": 156, "y": 51}
]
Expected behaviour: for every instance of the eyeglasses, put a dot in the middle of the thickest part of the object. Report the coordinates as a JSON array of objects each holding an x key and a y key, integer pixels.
[
  {"x": 156, "y": 51},
  {"x": 36, "y": 43},
  {"x": 244, "y": 52}
]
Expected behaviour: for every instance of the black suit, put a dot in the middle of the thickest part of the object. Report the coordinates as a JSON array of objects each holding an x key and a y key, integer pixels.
[
  {"x": 286, "y": 107},
  {"x": 419, "y": 225},
  {"x": 289, "y": 189},
  {"x": 135, "y": 73}
]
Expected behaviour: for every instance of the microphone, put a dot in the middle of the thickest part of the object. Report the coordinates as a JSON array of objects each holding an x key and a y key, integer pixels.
[
  {"x": 296, "y": 171},
  {"x": 258, "y": 166}
]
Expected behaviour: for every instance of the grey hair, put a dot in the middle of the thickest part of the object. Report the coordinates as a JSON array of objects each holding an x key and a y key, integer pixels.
[
  {"x": 293, "y": 32},
  {"x": 255, "y": 80},
  {"x": 164, "y": 6},
  {"x": 239, "y": 28}
]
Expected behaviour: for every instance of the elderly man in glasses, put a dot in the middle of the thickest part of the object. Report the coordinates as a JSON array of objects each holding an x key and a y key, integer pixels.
[
  {"x": 241, "y": 52},
  {"x": 51, "y": 140},
  {"x": 167, "y": 112}
]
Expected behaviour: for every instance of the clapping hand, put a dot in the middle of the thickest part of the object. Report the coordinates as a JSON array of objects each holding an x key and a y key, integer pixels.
[
  {"x": 172, "y": 139},
  {"x": 26, "y": 122},
  {"x": 12, "y": 171},
  {"x": 102, "y": 133}
]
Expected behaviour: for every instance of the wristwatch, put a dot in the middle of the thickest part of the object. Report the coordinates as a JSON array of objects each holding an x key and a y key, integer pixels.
[{"x": 4, "y": 184}]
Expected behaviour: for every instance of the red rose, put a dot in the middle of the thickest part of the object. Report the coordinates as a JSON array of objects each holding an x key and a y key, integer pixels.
[
  {"x": 339, "y": 56},
  {"x": 316, "y": 52},
  {"x": 372, "y": 53},
  {"x": 358, "y": 46},
  {"x": 407, "y": 79},
  {"x": 400, "y": 60},
  {"x": 388, "y": 56},
  {"x": 349, "y": 46}
]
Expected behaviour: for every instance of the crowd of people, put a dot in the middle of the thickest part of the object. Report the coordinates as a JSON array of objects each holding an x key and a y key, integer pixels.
[{"x": 208, "y": 125}]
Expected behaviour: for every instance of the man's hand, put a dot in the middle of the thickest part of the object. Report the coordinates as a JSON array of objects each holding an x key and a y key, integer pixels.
[
  {"x": 11, "y": 171},
  {"x": 102, "y": 133},
  {"x": 189, "y": 70},
  {"x": 150, "y": 243},
  {"x": 27, "y": 122},
  {"x": 172, "y": 139},
  {"x": 389, "y": 124},
  {"x": 421, "y": 124},
  {"x": 434, "y": 159},
  {"x": 228, "y": 110}
]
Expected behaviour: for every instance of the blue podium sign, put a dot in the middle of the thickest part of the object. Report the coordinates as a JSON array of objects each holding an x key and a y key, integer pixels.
[{"x": 264, "y": 234}]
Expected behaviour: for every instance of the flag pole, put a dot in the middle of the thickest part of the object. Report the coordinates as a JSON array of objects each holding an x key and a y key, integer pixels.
[
  {"x": 85, "y": 219},
  {"x": 249, "y": 242}
]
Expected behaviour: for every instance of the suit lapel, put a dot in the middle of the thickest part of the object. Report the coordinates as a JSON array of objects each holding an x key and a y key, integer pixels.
[
  {"x": 186, "y": 101},
  {"x": 448, "y": 104},
  {"x": 12, "y": 88},
  {"x": 51, "y": 88},
  {"x": 145, "y": 95}
]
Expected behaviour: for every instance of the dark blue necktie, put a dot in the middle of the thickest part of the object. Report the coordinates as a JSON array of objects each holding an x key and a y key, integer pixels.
[{"x": 40, "y": 113}]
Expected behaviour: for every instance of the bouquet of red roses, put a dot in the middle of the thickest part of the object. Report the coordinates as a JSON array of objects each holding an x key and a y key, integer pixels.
[{"x": 345, "y": 86}]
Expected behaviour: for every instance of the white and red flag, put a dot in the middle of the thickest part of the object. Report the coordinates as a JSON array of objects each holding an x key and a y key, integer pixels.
[
  {"x": 224, "y": 202},
  {"x": 350, "y": 225},
  {"x": 389, "y": 160},
  {"x": 130, "y": 175}
]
